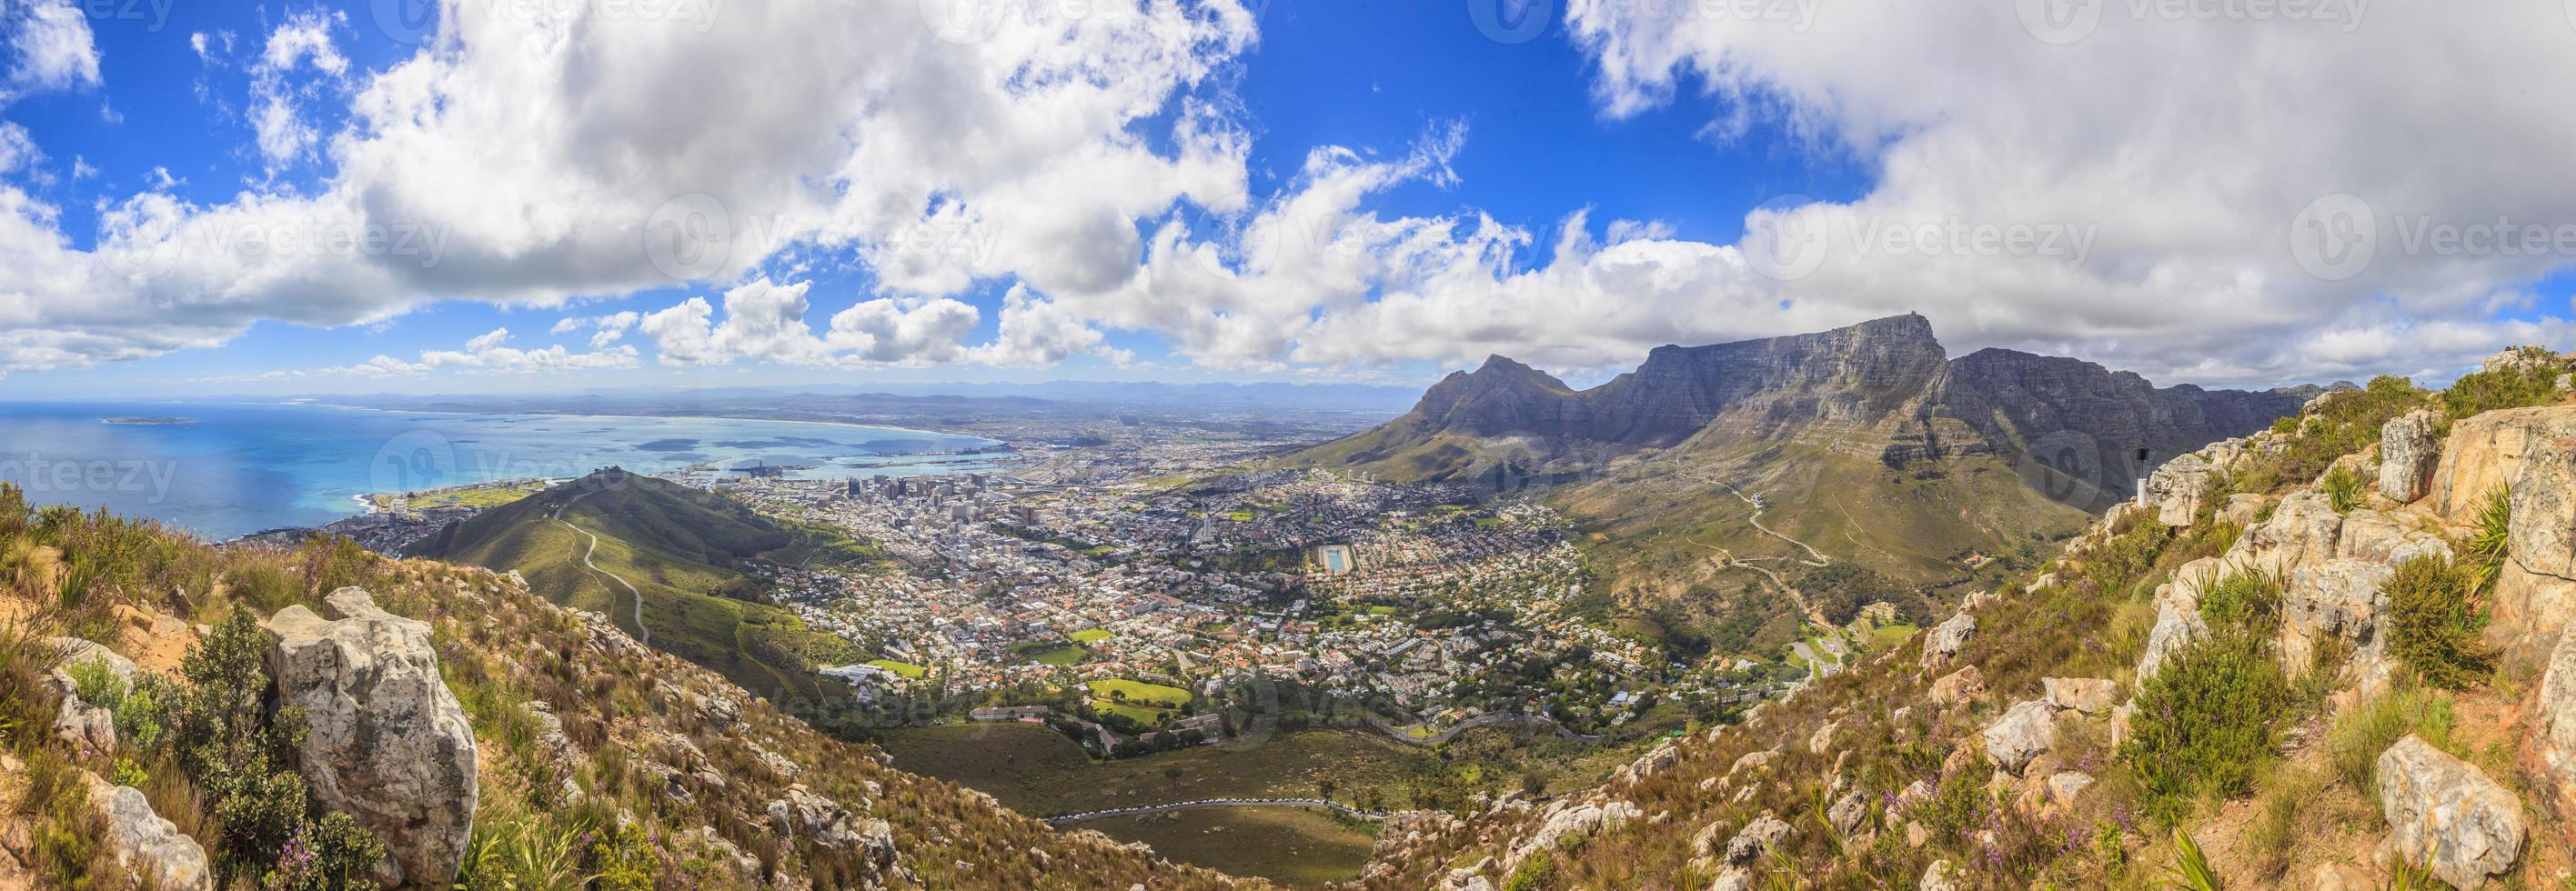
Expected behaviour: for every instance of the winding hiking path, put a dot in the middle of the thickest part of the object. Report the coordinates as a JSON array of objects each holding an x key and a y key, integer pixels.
[
  {"x": 1217, "y": 802},
  {"x": 643, "y": 633}
]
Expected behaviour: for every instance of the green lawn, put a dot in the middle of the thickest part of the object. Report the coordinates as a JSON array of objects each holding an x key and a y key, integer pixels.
[
  {"x": 1141, "y": 693},
  {"x": 1090, "y": 635},
  {"x": 906, "y": 669},
  {"x": 1062, "y": 656},
  {"x": 1140, "y": 714}
]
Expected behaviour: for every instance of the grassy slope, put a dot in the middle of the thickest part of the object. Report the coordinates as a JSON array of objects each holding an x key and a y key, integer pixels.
[
  {"x": 1296, "y": 846},
  {"x": 675, "y": 545}
]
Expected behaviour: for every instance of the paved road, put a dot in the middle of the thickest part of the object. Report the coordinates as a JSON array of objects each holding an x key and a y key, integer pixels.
[
  {"x": 1216, "y": 802},
  {"x": 643, "y": 634}
]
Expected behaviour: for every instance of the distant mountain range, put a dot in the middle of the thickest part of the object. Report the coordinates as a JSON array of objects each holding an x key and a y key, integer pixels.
[
  {"x": 1728, "y": 495},
  {"x": 1883, "y": 387}
]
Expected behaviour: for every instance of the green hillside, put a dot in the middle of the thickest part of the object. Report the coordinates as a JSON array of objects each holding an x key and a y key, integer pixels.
[{"x": 684, "y": 550}]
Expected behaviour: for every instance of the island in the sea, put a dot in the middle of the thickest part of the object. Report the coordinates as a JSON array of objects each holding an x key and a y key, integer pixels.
[{"x": 147, "y": 420}]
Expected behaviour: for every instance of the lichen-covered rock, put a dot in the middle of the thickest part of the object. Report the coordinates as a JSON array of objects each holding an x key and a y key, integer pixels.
[
  {"x": 2092, "y": 696},
  {"x": 1958, "y": 686},
  {"x": 2177, "y": 488},
  {"x": 2549, "y": 751},
  {"x": 2408, "y": 454},
  {"x": 1940, "y": 876},
  {"x": 1946, "y": 639},
  {"x": 2024, "y": 731},
  {"x": 78, "y": 723},
  {"x": 1848, "y": 813},
  {"x": 1756, "y": 839},
  {"x": 385, "y": 740},
  {"x": 2446, "y": 816},
  {"x": 2241, "y": 509},
  {"x": 146, "y": 845},
  {"x": 2339, "y": 600},
  {"x": 2178, "y": 623}
]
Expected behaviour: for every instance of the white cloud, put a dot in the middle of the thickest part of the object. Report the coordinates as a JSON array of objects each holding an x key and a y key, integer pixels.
[
  {"x": 52, "y": 42},
  {"x": 303, "y": 40},
  {"x": 533, "y": 144},
  {"x": 765, "y": 322},
  {"x": 1038, "y": 332},
  {"x": 483, "y": 355}
]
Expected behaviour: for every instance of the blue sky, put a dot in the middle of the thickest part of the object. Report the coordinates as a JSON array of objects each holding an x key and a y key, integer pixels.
[{"x": 1104, "y": 193}]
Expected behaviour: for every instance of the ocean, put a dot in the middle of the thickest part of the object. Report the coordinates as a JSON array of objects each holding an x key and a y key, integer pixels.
[{"x": 223, "y": 470}]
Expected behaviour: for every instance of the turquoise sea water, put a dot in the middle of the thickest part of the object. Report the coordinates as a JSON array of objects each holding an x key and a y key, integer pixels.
[{"x": 234, "y": 469}]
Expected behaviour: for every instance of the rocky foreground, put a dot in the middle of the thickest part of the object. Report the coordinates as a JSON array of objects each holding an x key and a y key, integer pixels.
[{"x": 440, "y": 727}]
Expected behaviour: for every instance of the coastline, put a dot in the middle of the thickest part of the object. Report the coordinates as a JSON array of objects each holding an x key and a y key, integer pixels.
[{"x": 548, "y": 414}]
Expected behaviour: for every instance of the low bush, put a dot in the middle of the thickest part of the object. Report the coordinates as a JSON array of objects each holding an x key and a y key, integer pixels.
[
  {"x": 2487, "y": 391},
  {"x": 2343, "y": 488},
  {"x": 2205, "y": 722},
  {"x": 2361, "y": 733},
  {"x": 2434, "y": 627},
  {"x": 2241, "y": 600}
]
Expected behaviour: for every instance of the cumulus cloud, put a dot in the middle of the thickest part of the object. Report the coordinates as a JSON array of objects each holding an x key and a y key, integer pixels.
[
  {"x": 482, "y": 355},
  {"x": 536, "y": 153},
  {"x": 765, "y": 322},
  {"x": 53, "y": 45}
]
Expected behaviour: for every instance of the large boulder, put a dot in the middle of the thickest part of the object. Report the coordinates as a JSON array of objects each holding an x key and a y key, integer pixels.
[
  {"x": 385, "y": 742},
  {"x": 79, "y": 723},
  {"x": 146, "y": 845},
  {"x": 2446, "y": 816},
  {"x": 2337, "y": 600},
  {"x": 2408, "y": 454},
  {"x": 2177, "y": 488},
  {"x": 1959, "y": 686},
  {"x": 2530, "y": 453},
  {"x": 1757, "y": 839},
  {"x": 2091, "y": 696},
  {"x": 1946, "y": 638},
  {"x": 2549, "y": 749},
  {"x": 2025, "y": 731}
]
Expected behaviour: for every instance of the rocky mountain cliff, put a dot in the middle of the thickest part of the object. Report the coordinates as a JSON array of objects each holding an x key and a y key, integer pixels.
[{"x": 1883, "y": 387}]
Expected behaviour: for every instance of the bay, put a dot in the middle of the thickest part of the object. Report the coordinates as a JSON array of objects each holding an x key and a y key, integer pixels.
[{"x": 222, "y": 470}]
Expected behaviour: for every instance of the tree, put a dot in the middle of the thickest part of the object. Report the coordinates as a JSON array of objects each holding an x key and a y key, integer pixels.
[{"x": 1324, "y": 787}]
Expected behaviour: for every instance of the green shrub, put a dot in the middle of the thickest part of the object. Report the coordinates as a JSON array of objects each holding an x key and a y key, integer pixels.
[
  {"x": 1538, "y": 873},
  {"x": 326, "y": 855},
  {"x": 234, "y": 751},
  {"x": 2433, "y": 626},
  {"x": 2191, "y": 869},
  {"x": 26, "y": 702},
  {"x": 2493, "y": 539},
  {"x": 2241, "y": 600},
  {"x": 2206, "y": 721},
  {"x": 2343, "y": 489},
  {"x": 2361, "y": 733},
  {"x": 2487, "y": 391},
  {"x": 96, "y": 683},
  {"x": 264, "y": 586}
]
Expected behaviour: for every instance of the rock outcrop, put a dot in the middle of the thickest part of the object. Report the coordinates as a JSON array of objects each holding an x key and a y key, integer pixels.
[
  {"x": 2024, "y": 732},
  {"x": 386, "y": 742},
  {"x": 81, "y": 724},
  {"x": 146, "y": 845},
  {"x": 2445, "y": 815},
  {"x": 2408, "y": 456},
  {"x": 1946, "y": 639},
  {"x": 2530, "y": 453},
  {"x": 2549, "y": 751}
]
